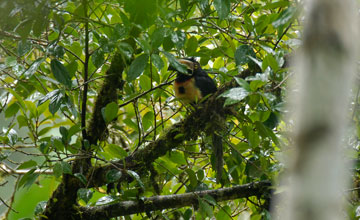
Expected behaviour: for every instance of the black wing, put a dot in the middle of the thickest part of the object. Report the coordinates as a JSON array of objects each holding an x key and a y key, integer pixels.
[{"x": 205, "y": 83}]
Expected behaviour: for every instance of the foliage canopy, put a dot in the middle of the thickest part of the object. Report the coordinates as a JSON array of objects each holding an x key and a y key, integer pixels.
[{"x": 87, "y": 104}]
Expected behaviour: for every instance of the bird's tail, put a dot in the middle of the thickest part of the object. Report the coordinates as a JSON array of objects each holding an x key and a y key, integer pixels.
[{"x": 218, "y": 152}]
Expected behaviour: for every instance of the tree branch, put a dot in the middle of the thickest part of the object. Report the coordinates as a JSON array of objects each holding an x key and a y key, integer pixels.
[
  {"x": 174, "y": 201},
  {"x": 188, "y": 129}
]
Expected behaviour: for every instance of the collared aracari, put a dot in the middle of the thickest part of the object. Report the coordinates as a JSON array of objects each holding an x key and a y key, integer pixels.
[{"x": 190, "y": 88}]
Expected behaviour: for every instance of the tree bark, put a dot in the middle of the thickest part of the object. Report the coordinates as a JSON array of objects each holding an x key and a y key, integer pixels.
[{"x": 122, "y": 208}]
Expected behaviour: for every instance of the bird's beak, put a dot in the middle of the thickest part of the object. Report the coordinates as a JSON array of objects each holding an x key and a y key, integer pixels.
[{"x": 187, "y": 63}]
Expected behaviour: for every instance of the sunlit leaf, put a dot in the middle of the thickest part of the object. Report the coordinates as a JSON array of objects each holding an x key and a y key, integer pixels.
[
  {"x": 28, "y": 179},
  {"x": 109, "y": 113},
  {"x": 106, "y": 200},
  {"x": 116, "y": 151},
  {"x": 234, "y": 95},
  {"x": 177, "y": 157},
  {"x": 27, "y": 164},
  {"x": 12, "y": 110}
]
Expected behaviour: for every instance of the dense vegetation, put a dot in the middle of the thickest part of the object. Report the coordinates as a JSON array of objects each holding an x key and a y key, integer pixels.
[{"x": 88, "y": 115}]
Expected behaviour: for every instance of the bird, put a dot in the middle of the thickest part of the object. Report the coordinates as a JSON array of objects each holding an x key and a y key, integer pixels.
[{"x": 191, "y": 88}]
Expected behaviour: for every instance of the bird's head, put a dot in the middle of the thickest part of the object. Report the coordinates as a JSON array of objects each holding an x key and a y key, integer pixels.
[{"x": 191, "y": 64}]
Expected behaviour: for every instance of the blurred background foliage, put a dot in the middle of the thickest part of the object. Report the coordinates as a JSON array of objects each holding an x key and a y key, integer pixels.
[{"x": 45, "y": 47}]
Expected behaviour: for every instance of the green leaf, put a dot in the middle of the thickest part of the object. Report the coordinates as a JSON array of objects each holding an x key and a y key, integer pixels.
[
  {"x": 243, "y": 83},
  {"x": 145, "y": 82},
  {"x": 60, "y": 73},
  {"x": 222, "y": 7},
  {"x": 270, "y": 60},
  {"x": 254, "y": 139},
  {"x": 242, "y": 54},
  {"x": 24, "y": 28},
  {"x": 157, "y": 61},
  {"x": 72, "y": 68},
  {"x": 137, "y": 67},
  {"x": 44, "y": 148},
  {"x": 210, "y": 200},
  {"x": 175, "y": 63},
  {"x": 137, "y": 178},
  {"x": 57, "y": 170},
  {"x": 64, "y": 133},
  {"x": 187, "y": 214},
  {"x": 144, "y": 44},
  {"x": 24, "y": 46},
  {"x": 267, "y": 131},
  {"x": 56, "y": 99},
  {"x": 97, "y": 58},
  {"x": 113, "y": 176},
  {"x": 200, "y": 175},
  {"x": 33, "y": 67},
  {"x": 39, "y": 25},
  {"x": 12, "y": 110},
  {"x": 59, "y": 51},
  {"x": 10, "y": 61},
  {"x": 177, "y": 157},
  {"x": 178, "y": 38},
  {"x": 66, "y": 168},
  {"x": 115, "y": 151},
  {"x": 28, "y": 179},
  {"x": 40, "y": 207},
  {"x": 74, "y": 129},
  {"x": 18, "y": 98},
  {"x": 286, "y": 16},
  {"x": 256, "y": 217},
  {"x": 256, "y": 84},
  {"x": 109, "y": 113},
  {"x": 22, "y": 121},
  {"x": 13, "y": 137},
  {"x": 81, "y": 177},
  {"x": 224, "y": 213},
  {"x": 106, "y": 200},
  {"x": 191, "y": 46},
  {"x": 192, "y": 177},
  {"x": 85, "y": 194},
  {"x": 278, "y": 4},
  {"x": 157, "y": 37},
  {"x": 27, "y": 164},
  {"x": 234, "y": 95},
  {"x": 206, "y": 208}
]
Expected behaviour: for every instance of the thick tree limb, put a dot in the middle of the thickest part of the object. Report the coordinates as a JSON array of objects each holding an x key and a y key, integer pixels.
[
  {"x": 62, "y": 202},
  {"x": 174, "y": 201}
]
